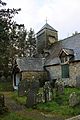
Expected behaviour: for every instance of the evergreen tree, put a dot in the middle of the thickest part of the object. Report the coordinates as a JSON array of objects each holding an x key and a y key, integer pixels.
[
  {"x": 31, "y": 43},
  {"x": 6, "y": 29}
]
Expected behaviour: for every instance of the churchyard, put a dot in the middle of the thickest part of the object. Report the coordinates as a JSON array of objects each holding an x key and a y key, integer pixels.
[{"x": 52, "y": 104}]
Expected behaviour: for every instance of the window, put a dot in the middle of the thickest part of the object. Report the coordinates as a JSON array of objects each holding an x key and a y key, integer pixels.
[
  {"x": 65, "y": 70},
  {"x": 64, "y": 59}
]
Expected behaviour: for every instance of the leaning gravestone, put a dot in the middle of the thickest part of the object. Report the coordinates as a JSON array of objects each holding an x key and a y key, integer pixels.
[
  {"x": 73, "y": 99},
  {"x": 32, "y": 94},
  {"x": 59, "y": 87}
]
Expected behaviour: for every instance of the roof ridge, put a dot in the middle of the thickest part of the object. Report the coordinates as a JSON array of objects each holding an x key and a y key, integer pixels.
[
  {"x": 47, "y": 26},
  {"x": 70, "y": 36}
]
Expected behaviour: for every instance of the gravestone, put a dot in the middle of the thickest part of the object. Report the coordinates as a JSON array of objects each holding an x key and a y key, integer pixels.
[
  {"x": 31, "y": 99},
  {"x": 32, "y": 94},
  {"x": 47, "y": 92},
  {"x": 78, "y": 81},
  {"x": 73, "y": 99},
  {"x": 23, "y": 87},
  {"x": 34, "y": 85},
  {"x": 39, "y": 98},
  {"x": 59, "y": 87},
  {"x": 3, "y": 79}
]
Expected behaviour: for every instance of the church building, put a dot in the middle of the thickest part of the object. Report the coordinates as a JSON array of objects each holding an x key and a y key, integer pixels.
[{"x": 55, "y": 59}]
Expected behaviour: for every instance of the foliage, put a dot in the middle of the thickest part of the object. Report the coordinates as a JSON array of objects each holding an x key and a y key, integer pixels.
[
  {"x": 60, "y": 104},
  {"x": 15, "y": 41},
  {"x": 31, "y": 43},
  {"x": 6, "y": 26},
  {"x": 6, "y": 86}
]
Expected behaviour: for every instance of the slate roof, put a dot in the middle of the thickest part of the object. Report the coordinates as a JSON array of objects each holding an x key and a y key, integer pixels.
[
  {"x": 72, "y": 42},
  {"x": 47, "y": 26},
  {"x": 30, "y": 64}
]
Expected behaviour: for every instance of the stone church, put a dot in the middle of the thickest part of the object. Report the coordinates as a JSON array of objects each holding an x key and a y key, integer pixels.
[{"x": 54, "y": 59}]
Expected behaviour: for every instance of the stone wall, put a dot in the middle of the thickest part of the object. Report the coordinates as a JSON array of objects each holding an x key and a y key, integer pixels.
[
  {"x": 34, "y": 75},
  {"x": 55, "y": 71},
  {"x": 74, "y": 73}
]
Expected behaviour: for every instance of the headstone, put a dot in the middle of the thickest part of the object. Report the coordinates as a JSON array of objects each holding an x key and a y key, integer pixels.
[
  {"x": 39, "y": 98},
  {"x": 78, "y": 81},
  {"x": 31, "y": 99},
  {"x": 23, "y": 87},
  {"x": 59, "y": 87},
  {"x": 3, "y": 79},
  {"x": 47, "y": 92},
  {"x": 34, "y": 85},
  {"x": 73, "y": 99},
  {"x": 32, "y": 94}
]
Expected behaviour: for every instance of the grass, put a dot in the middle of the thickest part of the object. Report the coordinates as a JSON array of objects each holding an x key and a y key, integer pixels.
[
  {"x": 15, "y": 116},
  {"x": 60, "y": 104},
  {"x": 21, "y": 100}
]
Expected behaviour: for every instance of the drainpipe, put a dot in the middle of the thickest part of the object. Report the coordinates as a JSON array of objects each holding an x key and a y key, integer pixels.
[{"x": 49, "y": 78}]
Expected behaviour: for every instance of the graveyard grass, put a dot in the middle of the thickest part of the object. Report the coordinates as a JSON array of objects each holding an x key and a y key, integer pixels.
[
  {"x": 60, "y": 104},
  {"x": 58, "y": 107},
  {"x": 15, "y": 116},
  {"x": 18, "y": 99}
]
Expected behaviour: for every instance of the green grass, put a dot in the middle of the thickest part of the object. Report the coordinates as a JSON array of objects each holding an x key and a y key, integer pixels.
[
  {"x": 14, "y": 116},
  {"x": 60, "y": 104},
  {"x": 21, "y": 100}
]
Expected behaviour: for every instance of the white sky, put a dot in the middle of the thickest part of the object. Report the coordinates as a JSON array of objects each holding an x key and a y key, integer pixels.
[{"x": 62, "y": 15}]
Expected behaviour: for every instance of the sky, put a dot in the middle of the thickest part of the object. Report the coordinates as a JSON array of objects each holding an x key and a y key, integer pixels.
[{"x": 62, "y": 15}]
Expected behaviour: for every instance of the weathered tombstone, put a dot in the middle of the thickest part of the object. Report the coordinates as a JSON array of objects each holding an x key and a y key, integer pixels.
[
  {"x": 32, "y": 94},
  {"x": 47, "y": 92},
  {"x": 39, "y": 98},
  {"x": 23, "y": 87},
  {"x": 3, "y": 79},
  {"x": 78, "y": 81},
  {"x": 59, "y": 87},
  {"x": 73, "y": 99},
  {"x": 31, "y": 99},
  {"x": 34, "y": 85}
]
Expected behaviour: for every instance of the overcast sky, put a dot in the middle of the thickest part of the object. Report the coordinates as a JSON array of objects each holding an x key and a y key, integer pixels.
[{"x": 62, "y": 15}]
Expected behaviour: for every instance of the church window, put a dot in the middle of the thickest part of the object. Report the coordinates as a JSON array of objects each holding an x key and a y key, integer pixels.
[{"x": 65, "y": 70}]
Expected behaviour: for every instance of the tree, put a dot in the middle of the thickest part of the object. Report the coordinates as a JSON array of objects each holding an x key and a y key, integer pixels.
[
  {"x": 31, "y": 43},
  {"x": 13, "y": 41},
  {"x": 17, "y": 42},
  {"x": 6, "y": 26}
]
